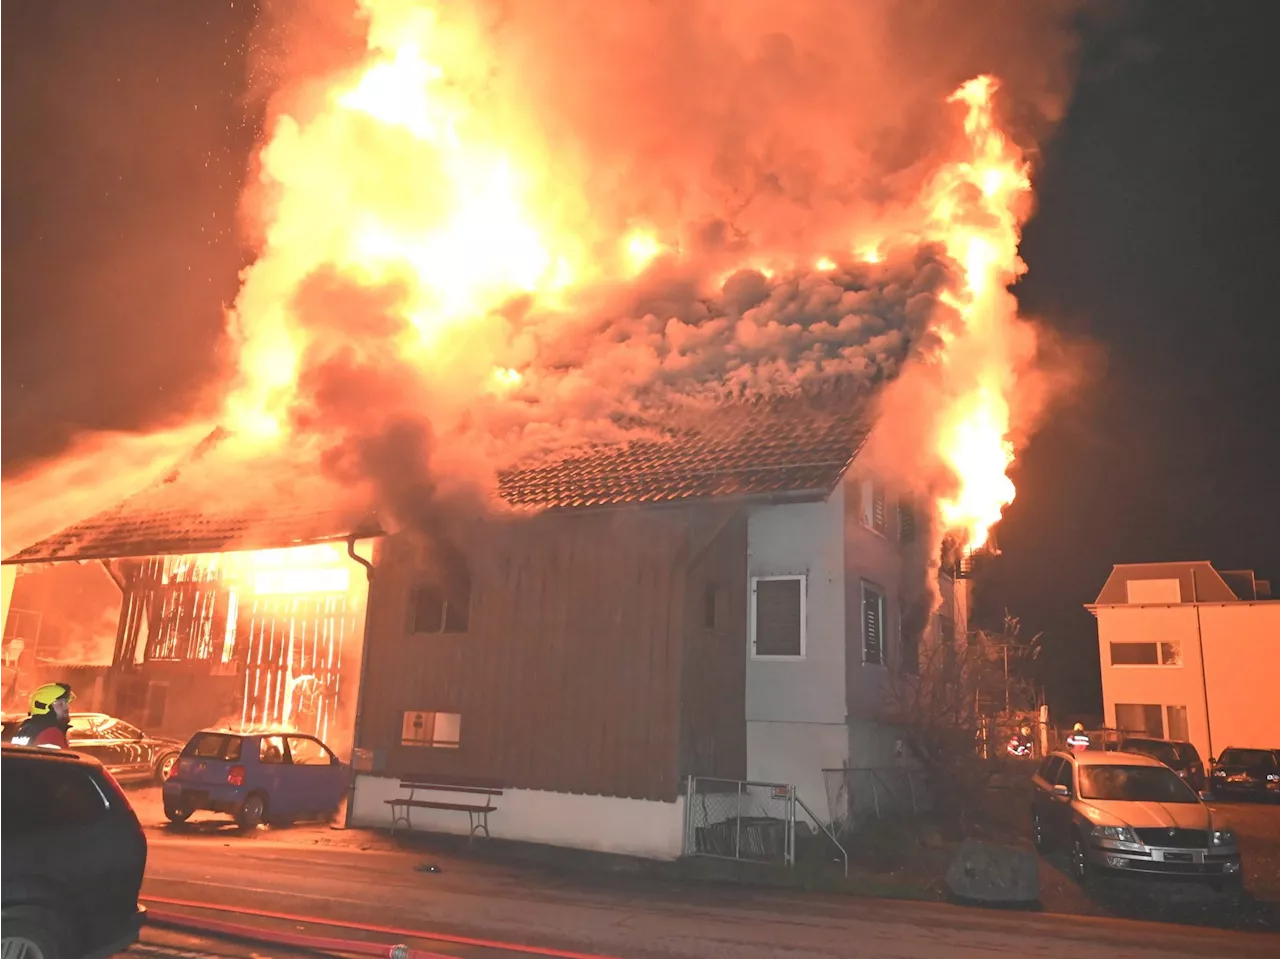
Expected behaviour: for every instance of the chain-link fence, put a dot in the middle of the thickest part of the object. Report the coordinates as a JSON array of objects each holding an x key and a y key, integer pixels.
[
  {"x": 732, "y": 819},
  {"x": 854, "y": 795}
]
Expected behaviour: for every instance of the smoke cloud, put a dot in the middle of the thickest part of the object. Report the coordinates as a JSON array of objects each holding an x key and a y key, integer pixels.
[{"x": 747, "y": 139}]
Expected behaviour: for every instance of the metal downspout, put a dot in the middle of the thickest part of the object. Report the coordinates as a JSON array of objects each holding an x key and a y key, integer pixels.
[{"x": 364, "y": 661}]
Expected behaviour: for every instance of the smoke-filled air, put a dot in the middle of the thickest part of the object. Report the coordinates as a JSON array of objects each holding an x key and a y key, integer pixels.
[{"x": 490, "y": 231}]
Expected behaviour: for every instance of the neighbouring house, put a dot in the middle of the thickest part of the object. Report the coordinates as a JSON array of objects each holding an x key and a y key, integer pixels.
[
  {"x": 1186, "y": 653},
  {"x": 726, "y": 601}
]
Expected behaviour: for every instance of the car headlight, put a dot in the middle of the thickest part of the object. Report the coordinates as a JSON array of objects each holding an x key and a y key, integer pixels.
[
  {"x": 1273, "y": 778},
  {"x": 1118, "y": 833},
  {"x": 1223, "y": 837}
]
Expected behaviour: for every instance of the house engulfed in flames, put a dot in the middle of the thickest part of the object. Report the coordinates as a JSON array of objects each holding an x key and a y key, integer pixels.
[{"x": 728, "y": 602}]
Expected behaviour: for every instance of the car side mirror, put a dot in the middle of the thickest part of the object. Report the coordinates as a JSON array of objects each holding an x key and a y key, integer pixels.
[{"x": 1060, "y": 790}]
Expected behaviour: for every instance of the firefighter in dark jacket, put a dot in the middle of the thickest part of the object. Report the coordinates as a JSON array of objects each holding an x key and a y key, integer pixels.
[{"x": 50, "y": 718}]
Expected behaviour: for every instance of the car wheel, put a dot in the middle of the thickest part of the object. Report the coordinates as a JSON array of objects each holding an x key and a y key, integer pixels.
[
  {"x": 1038, "y": 834},
  {"x": 32, "y": 933},
  {"x": 165, "y": 766},
  {"x": 175, "y": 815},
  {"x": 253, "y": 811},
  {"x": 1081, "y": 871}
]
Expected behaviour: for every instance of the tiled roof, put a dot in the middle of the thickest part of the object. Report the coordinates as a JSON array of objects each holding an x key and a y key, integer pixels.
[
  {"x": 783, "y": 446},
  {"x": 206, "y": 506},
  {"x": 791, "y": 445}
]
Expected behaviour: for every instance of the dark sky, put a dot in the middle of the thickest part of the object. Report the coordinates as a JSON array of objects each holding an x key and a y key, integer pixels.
[{"x": 1156, "y": 236}]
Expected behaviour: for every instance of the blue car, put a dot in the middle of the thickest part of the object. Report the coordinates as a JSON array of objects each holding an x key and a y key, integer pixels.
[{"x": 256, "y": 778}]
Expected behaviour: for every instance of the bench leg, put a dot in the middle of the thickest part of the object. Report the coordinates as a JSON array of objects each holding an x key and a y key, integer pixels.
[
  {"x": 479, "y": 821},
  {"x": 397, "y": 818}
]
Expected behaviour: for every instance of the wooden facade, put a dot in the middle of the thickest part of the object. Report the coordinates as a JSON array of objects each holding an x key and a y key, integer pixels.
[{"x": 604, "y": 654}]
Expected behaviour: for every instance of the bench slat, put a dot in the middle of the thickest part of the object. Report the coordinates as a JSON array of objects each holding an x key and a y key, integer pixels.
[
  {"x": 422, "y": 804},
  {"x": 440, "y": 787}
]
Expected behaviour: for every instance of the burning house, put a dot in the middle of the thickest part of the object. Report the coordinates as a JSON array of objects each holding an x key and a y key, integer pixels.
[{"x": 725, "y": 601}]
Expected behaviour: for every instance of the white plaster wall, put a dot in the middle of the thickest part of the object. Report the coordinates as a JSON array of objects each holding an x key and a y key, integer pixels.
[
  {"x": 789, "y": 539},
  {"x": 796, "y": 753},
  {"x": 633, "y": 827}
]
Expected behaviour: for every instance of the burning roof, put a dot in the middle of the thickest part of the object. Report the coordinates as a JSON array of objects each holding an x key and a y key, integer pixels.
[{"x": 793, "y": 445}]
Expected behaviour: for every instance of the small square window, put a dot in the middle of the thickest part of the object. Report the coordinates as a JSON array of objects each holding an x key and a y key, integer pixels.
[
  {"x": 431, "y": 729},
  {"x": 432, "y": 611}
]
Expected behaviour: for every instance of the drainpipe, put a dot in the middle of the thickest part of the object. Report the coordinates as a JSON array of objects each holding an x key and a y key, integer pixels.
[
  {"x": 364, "y": 660},
  {"x": 1204, "y": 679}
]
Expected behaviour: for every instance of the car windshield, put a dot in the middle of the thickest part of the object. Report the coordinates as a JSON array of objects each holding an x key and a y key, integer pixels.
[
  {"x": 1165, "y": 752},
  {"x": 1248, "y": 757},
  {"x": 1134, "y": 784},
  {"x": 1187, "y": 752},
  {"x": 214, "y": 746}
]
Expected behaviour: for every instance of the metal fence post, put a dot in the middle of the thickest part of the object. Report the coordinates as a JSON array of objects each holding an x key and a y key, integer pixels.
[
  {"x": 791, "y": 827},
  {"x": 689, "y": 844},
  {"x": 737, "y": 826}
]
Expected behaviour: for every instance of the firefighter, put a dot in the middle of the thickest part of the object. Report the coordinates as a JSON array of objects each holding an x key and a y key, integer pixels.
[
  {"x": 1079, "y": 739},
  {"x": 50, "y": 718},
  {"x": 1020, "y": 744}
]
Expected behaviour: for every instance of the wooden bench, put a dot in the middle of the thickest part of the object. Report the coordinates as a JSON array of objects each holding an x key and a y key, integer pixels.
[{"x": 477, "y": 810}]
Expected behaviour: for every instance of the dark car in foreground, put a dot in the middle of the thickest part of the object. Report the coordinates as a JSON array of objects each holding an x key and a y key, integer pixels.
[
  {"x": 73, "y": 857},
  {"x": 256, "y": 778},
  {"x": 1246, "y": 774},
  {"x": 130, "y": 755},
  {"x": 1182, "y": 757},
  {"x": 1129, "y": 814}
]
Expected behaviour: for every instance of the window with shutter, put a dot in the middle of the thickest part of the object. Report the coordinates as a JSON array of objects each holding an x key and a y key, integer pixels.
[
  {"x": 872, "y": 624},
  {"x": 777, "y": 617},
  {"x": 873, "y": 506},
  {"x": 906, "y": 523}
]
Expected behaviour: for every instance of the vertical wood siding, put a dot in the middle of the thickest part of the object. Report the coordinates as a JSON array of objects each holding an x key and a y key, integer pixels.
[{"x": 571, "y": 675}]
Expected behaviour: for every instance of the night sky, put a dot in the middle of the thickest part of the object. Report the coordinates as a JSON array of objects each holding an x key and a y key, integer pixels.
[{"x": 1155, "y": 238}]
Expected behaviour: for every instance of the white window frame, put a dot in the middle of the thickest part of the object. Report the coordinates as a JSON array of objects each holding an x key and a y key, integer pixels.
[
  {"x": 883, "y": 595},
  {"x": 433, "y": 742},
  {"x": 803, "y": 579}
]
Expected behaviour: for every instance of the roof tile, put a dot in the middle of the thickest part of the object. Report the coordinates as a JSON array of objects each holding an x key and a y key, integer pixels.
[{"x": 789, "y": 445}]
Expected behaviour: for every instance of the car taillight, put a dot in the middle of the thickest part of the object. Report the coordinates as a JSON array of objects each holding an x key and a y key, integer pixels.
[
  {"x": 179, "y": 767},
  {"x": 236, "y": 776}
]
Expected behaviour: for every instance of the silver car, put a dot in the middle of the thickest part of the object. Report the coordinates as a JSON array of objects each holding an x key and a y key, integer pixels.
[{"x": 1129, "y": 814}]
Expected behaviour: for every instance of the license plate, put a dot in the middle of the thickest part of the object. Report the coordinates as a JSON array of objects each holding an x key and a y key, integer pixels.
[{"x": 1178, "y": 857}]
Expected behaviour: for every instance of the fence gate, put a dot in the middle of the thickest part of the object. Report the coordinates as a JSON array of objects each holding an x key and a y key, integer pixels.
[{"x": 735, "y": 819}]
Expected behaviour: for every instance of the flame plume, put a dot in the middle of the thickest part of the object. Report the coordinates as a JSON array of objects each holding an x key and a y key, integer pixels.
[{"x": 976, "y": 208}]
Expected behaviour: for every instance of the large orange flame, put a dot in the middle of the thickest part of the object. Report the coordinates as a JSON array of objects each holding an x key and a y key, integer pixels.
[
  {"x": 396, "y": 177},
  {"x": 976, "y": 208}
]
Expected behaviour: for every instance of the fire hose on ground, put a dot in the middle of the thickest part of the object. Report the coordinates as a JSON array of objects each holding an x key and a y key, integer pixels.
[{"x": 288, "y": 939}]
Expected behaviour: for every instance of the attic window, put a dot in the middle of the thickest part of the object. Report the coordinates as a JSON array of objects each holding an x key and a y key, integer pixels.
[
  {"x": 432, "y": 611},
  {"x": 906, "y": 523},
  {"x": 873, "y": 505}
]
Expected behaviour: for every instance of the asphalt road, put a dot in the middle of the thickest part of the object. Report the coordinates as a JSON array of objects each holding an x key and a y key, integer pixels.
[{"x": 625, "y": 917}]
